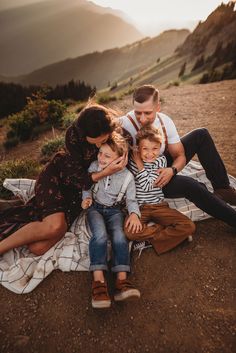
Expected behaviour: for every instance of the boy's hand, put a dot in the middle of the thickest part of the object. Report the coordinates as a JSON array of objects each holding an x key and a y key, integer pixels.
[
  {"x": 137, "y": 159},
  {"x": 133, "y": 223},
  {"x": 86, "y": 203}
]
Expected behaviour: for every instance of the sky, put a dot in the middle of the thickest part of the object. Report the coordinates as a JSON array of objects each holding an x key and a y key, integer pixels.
[{"x": 152, "y": 16}]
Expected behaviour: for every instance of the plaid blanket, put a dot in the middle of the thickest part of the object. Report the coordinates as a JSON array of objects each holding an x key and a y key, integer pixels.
[{"x": 21, "y": 271}]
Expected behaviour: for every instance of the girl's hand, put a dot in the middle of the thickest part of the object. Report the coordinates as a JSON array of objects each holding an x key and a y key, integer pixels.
[
  {"x": 86, "y": 203},
  {"x": 133, "y": 223}
]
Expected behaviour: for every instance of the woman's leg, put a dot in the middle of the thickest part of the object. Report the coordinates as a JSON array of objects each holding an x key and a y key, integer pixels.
[
  {"x": 183, "y": 186},
  {"x": 39, "y": 236}
]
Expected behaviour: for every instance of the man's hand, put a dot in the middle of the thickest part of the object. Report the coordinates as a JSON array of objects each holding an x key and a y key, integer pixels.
[
  {"x": 165, "y": 174},
  {"x": 86, "y": 203},
  {"x": 133, "y": 223}
]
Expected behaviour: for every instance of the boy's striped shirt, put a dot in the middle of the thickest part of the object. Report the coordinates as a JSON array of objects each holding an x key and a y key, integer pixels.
[{"x": 146, "y": 192}]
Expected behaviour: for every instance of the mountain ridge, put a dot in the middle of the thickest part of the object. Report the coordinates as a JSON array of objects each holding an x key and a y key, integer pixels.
[
  {"x": 43, "y": 33},
  {"x": 122, "y": 62}
]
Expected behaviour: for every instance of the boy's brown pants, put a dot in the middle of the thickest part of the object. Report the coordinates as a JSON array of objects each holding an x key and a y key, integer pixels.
[{"x": 171, "y": 227}]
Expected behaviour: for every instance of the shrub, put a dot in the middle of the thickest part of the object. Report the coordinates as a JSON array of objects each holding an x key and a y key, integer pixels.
[
  {"x": 199, "y": 63},
  {"x": 68, "y": 119},
  {"x": 182, "y": 69},
  {"x": 52, "y": 146},
  {"x": 21, "y": 125},
  {"x": 38, "y": 116},
  {"x": 81, "y": 106},
  {"x": 11, "y": 142},
  {"x": 113, "y": 86},
  {"x": 173, "y": 83},
  {"x": 17, "y": 169},
  {"x": 39, "y": 129},
  {"x": 106, "y": 98},
  {"x": 56, "y": 109}
]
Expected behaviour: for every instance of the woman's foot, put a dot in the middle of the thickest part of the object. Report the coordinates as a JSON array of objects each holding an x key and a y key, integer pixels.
[
  {"x": 124, "y": 290},
  {"x": 100, "y": 296}
]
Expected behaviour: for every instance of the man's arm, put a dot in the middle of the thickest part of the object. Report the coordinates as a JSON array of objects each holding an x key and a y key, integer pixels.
[{"x": 176, "y": 151}]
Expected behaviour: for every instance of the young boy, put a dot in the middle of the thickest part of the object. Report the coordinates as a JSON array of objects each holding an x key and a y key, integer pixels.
[
  {"x": 105, "y": 217},
  {"x": 171, "y": 227}
]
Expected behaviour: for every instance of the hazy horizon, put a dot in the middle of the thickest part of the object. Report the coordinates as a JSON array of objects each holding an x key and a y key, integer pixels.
[{"x": 152, "y": 16}]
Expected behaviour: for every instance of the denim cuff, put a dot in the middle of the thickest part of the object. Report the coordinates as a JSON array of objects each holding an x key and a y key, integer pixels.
[
  {"x": 121, "y": 268},
  {"x": 98, "y": 267}
]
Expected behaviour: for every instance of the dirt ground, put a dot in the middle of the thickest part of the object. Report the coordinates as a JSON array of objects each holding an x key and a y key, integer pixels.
[{"x": 188, "y": 295}]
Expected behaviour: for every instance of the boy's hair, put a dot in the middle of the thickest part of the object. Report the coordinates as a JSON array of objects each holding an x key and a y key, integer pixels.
[
  {"x": 150, "y": 133},
  {"x": 117, "y": 143},
  {"x": 144, "y": 93}
]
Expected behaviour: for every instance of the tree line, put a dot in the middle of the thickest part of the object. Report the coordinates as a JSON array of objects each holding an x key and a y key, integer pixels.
[{"x": 13, "y": 97}]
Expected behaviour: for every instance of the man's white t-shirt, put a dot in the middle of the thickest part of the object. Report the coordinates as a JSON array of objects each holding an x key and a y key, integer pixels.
[{"x": 171, "y": 131}]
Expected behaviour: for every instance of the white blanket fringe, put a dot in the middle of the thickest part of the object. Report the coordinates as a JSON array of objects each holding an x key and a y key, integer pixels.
[{"x": 21, "y": 271}]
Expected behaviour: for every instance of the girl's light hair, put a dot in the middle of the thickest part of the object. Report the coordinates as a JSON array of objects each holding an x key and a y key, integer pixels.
[
  {"x": 117, "y": 143},
  {"x": 149, "y": 133},
  {"x": 144, "y": 93}
]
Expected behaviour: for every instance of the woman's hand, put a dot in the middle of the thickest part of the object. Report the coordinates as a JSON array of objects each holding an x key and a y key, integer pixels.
[
  {"x": 133, "y": 223},
  {"x": 165, "y": 174},
  {"x": 86, "y": 203},
  {"x": 117, "y": 165}
]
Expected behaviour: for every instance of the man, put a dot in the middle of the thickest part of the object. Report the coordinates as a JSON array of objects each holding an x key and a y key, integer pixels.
[{"x": 178, "y": 153}]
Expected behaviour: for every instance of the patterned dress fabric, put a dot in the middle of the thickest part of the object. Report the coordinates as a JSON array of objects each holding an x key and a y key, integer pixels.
[{"x": 58, "y": 187}]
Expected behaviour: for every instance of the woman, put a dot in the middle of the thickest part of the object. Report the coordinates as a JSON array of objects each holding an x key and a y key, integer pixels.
[
  {"x": 43, "y": 221},
  {"x": 178, "y": 153}
]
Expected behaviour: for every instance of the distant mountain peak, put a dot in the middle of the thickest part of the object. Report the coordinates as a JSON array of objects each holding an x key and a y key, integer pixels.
[{"x": 208, "y": 33}]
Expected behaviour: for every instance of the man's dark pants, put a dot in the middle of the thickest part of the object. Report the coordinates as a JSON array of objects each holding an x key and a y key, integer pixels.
[{"x": 200, "y": 142}]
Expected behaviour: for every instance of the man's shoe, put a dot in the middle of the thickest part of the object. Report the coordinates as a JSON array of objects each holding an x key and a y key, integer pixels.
[
  {"x": 227, "y": 194},
  {"x": 100, "y": 296},
  {"x": 125, "y": 290}
]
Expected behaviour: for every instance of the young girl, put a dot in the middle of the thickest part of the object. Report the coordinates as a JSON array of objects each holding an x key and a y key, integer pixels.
[
  {"x": 171, "y": 227},
  {"x": 105, "y": 217}
]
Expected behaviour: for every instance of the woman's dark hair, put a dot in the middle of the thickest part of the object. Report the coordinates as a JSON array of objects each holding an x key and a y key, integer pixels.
[{"x": 95, "y": 120}]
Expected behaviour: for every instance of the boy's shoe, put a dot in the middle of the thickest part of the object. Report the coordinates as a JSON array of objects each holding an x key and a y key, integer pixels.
[
  {"x": 227, "y": 194},
  {"x": 125, "y": 290},
  {"x": 140, "y": 246},
  {"x": 100, "y": 296}
]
